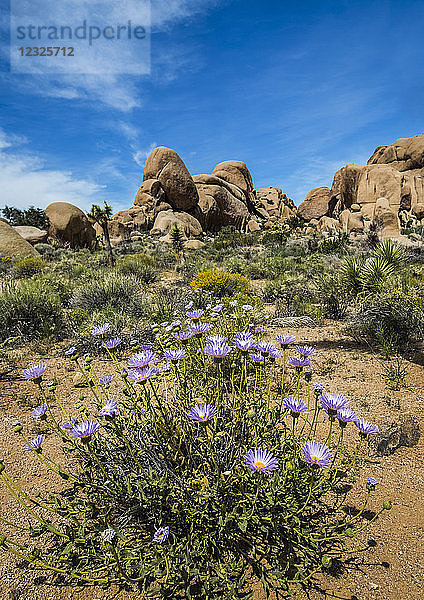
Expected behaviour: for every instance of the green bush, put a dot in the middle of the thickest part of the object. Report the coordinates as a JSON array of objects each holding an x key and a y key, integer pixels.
[
  {"x": 143, "y": 266},
  {"x": 26, "y": 267},
  {"x": 29, "y": 311},
  {"x": 219, "y": 282}
]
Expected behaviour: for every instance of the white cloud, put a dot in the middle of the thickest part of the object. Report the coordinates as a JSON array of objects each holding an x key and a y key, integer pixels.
[
  {"x": 140, "y": 156},
  {"x": 25, "y": 181}
]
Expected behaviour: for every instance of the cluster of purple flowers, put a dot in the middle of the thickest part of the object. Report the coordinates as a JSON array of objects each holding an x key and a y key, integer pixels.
[{"x": 217, "y": 347}]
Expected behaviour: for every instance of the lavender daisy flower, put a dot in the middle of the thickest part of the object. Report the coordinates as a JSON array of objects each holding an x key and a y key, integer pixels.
[
  {"x": 69, "y": 424},
  {"x": 318, "y": 388},
  {"x": 265, "y": 348},
  {"x": 318, "y": 454},
  {"x": 183, "y": 336},
  {"x": 217, "y": 349},
  {"x": 261, "y": 461},
  {"x": 244, "y": 344},
  {"x": 200, "y": 328},
  {"x": 145, "y": 347},
  {"x": 365, "y": 428},
  {"x": 109, "y": 409},
  {"x": 305, "y": 350},
  {"x": 35, "y": 444},
  {"x": 233, "y": 303},
  {"x": 202, "y": 413},
  {"x": 84, "y": 430},
  {"x": 70, "y": 351},
  {"x": 100, "y": 329},
  {"x": 371, "y": 483},
  {"x": 174, "y": 355},
  {"x": 257, "y": 358},
  {"x": 112, "y": 344},
  {"x": 247, "y": 307},
  {"x": 161, "y": 535},
  {"x": 345, "y": 416},
  {"x": 331, "y": 403},
  {"x": 195, "y": 315},
  {"x": 166, "y": 368},
  {"x": 39, "y": 412},
  {"x": 216, "y": 339},
  {"x": 285, "y": 340},
  {"x": 106, "y": 380},
  {"x": 143, "y": 375},
  {"x": 189, "y": 305},
  {"x": 164, "y": 324},
  {"x": 217, "y": 308},
  {"x": 34, "y": 372},
  {"x": 260, "y": 330},
  {"x": 295, "y": 406},
  {"x": 299, "y": 363},
  {"x": 142, "y": 359},
  {"x": 274, "y": 354}
]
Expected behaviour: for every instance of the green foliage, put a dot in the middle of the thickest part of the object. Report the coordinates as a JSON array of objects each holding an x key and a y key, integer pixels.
[
  {"x": 219, "y": 282},
  {"x": 149, "y": 466},
  {"x": 143, "y": 266},
  {"x": 34, "y": 217},
  {"x": 46, "y": 250},
  {"x": 394, "y": 374},
  {"x": 26, "y": 267},
  {"x": 30, "y": 311},
  {"x": 177, "y": 239}
]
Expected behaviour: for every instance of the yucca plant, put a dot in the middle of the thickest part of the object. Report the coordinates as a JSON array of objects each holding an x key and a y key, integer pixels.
[{"x": 392, "y": 252}]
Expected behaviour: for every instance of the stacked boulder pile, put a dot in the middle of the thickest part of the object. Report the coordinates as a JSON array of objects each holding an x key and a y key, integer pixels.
[
  {"x": 388, "y": 192},
  {"x": 202, "y": 203}
]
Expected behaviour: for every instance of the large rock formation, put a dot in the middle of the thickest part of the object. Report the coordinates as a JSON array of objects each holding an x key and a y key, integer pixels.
[
  {"x": 69, "y": 225},
  {"x": 33, "y": 235},
  {"x": 223, "y": 198},
  {"x": 12, "y": 244},
  {"x": 316, "y": 204},
  {"x": 389, "y": 190}
]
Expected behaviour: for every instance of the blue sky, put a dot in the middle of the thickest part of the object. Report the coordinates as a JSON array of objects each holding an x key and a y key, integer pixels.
[{"x": 296, "y": 90}]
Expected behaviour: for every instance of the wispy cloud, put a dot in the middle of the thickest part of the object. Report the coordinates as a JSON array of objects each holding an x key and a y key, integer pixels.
[{"x": 25, "y": 181}]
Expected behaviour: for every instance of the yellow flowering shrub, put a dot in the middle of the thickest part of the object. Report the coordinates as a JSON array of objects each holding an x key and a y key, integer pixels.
[{"x": 220, "y": 282}]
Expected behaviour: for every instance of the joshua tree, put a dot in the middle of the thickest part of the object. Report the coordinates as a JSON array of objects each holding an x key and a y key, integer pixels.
[{"x": 102, "y": 217}]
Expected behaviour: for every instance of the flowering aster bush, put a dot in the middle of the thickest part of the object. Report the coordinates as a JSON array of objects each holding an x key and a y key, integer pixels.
[{"x": 196, "y": 467}]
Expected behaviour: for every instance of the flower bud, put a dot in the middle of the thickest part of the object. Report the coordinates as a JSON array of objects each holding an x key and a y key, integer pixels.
[
  {"x": 2, "y": 467},
  {"x": 349, "y": 532},
  {"x": 290, "y": 466},
  {"x": 17, "y": 427},
  {"x": 326, "y": 561},
  {"x": 387, "y": 505}
]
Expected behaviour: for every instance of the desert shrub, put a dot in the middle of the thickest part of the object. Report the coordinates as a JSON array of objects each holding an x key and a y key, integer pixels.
[
  {"x": 122, "y": 293},
  {"x": 29, "y": 311},
  {"x": 28, "y": 266},
  {"x": 46, "y": 250},
  {"x": 336, "y": 244},
  {"x": 333, "y": 295},
  {"x": 219, "y": 282},
  {"x": 391, "y": 321},
  {"x": 176, "y": 496},
  {"x": 230, "y": 237},
  {"x": 142, "y": 266}
]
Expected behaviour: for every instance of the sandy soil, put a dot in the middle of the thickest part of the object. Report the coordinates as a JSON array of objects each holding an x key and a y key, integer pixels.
[{"x": 391, "y": 571}]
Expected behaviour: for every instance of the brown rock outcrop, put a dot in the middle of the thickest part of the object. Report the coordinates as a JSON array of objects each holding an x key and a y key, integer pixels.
[
  {"x": 68, "y": 224},
  {"x": 316, "y": 204},
  {"x": 12, "y": 244}
]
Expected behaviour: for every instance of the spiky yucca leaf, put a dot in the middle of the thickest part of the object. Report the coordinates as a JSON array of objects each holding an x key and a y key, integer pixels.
[
  {"x": 351, "y": 271},
  {"x": 392, "y": 252},
  {"x": 375, "y": 272}
]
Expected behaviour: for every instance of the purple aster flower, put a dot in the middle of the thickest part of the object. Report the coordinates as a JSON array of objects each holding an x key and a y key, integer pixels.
[
  {"x": 217, "y": 308},
  {"x": 295, "y": 406},
  {"x": 142, "y": 359},
  {"x": 69, "y": 424},
  {"x": 261, "y": 461},
  {"x": 315, "y": 453},
  {"x": 217, "y": 348},
  {"x": 273, "y": 354},
  {"x": 299, "y": 363},
  {"x": 247, "y": 307},
  {"x": 200, "y": 328},
  {"x": 331, "y": 403},
  {"x": 285, "y": 340},
  {"x": 345, "y": 416},
  {"x": 109, "y": 409},
  {"x": 243, "y": 335},
  {"x": 161, "y": 535},
  {"x": 189, "y": 305},
  {"x": 371, "y": 483},
  {"x": 144, "y": 374},
  {"x": 257, "y": 358},
  {"x": 166, "y": 368},
  {"x": 106, "y": 380},
  {"x": 34, "y": 372},
  {"x": 39, "y": 411},
  {"x": 318, "y": 388},
  {"x": 260, "y": 330},
  {"x": 111, "y": 344},
  {"x": 100, "y": 329},
  {"x": 216, "y": 339},
  {"x": 183, "y": 336},
  {"x": 164, "y": 324},
  {"x": 265, "y": 347},
  {"x": 145, "y": 347},
  {"x": 244, "y": 344},
  {"x": 84, "y": 430},
  {"x": 202, "y": 413},
  {"x": 366, "y": 428},
  {"x": 35, "y": 444},
  {"x": 174, "y": 355},
  {"x": 195, "y": 315},
  {"x": 175, "y": 324},
  {"x": 233, "y": 303},
  {"x": 305, "y": 350},
  {"x": 70, "y": 351}
]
